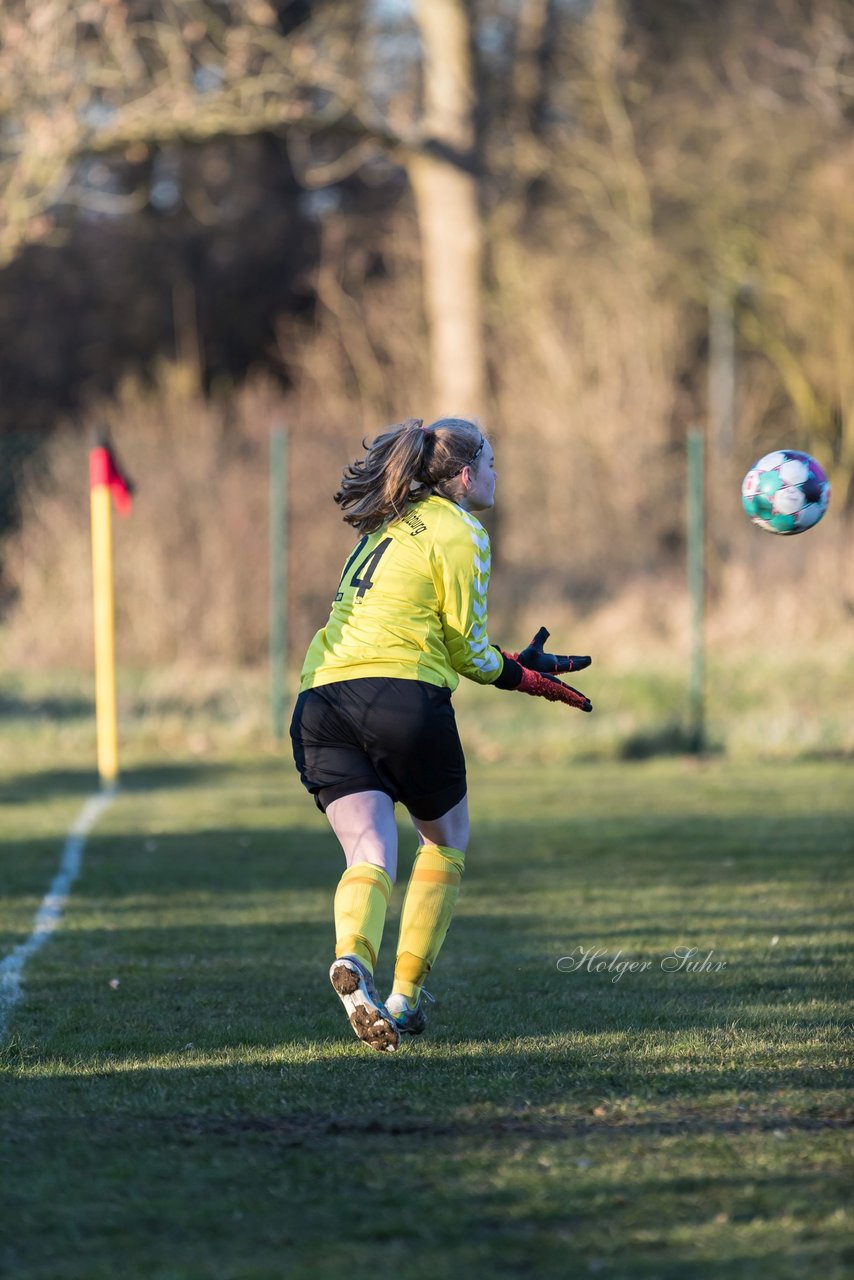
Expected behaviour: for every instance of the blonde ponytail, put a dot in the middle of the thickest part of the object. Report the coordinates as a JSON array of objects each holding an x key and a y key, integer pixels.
[{"x": 403, "y": 465}]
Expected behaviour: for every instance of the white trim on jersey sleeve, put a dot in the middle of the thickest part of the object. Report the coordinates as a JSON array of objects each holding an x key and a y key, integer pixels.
[{"x": 465, "y": 565}]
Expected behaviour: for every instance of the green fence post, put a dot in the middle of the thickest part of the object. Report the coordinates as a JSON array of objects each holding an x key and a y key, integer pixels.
[
  {"x": 697, "y": 589},
  {"x": 278, "y": 578}
]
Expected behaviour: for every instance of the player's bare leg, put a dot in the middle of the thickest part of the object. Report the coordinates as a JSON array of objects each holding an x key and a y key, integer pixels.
[
  {"x": 365, "y": 826},
  {"x": 451, "y": 830}
]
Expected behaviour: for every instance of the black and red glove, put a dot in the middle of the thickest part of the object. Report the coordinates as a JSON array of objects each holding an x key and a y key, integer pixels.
[
  {"x": 537, "y": 673},
  {"x": 541, "y": 686},
  {"x": 548, "y": 664}
]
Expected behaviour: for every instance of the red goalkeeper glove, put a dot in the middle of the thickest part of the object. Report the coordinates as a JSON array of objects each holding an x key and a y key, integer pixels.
[
  {"x": 542, "y": 686},
  {"x": 538, "y": 678}
]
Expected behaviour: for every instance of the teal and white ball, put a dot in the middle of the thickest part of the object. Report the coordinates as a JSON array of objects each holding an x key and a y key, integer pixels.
[{"x": 785, "y": 492}]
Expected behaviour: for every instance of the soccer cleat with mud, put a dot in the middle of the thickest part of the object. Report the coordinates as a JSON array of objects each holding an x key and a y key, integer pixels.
[
  {"x": 370, "y": 1020},
  {"x": 408, "y": 1019}
]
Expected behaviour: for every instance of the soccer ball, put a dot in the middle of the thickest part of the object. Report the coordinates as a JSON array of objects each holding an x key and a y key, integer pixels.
[{"x": 785, "y": 492}]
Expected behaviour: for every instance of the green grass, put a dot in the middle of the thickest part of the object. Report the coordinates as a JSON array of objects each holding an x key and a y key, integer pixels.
[{"x": 211, "y": 1116}]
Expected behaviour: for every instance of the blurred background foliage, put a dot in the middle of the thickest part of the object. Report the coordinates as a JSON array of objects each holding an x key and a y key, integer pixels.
[{"x": 593, "y": 223}]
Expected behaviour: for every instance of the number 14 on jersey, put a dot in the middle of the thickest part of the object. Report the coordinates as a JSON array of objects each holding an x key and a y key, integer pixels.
[{"x": 364, "y": 572}]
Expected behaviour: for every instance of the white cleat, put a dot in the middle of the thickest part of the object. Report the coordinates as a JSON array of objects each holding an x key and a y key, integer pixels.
[{"x": 368, "y": 1016}]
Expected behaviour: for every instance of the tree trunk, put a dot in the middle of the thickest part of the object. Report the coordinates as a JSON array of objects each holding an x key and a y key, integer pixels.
[
  {"x": 535, "y": 23},
  {"x": 444, "y": 182}
]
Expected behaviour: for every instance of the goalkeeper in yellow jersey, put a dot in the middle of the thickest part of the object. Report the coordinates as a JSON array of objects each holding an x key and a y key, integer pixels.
[{"x": 373, "y": 724}]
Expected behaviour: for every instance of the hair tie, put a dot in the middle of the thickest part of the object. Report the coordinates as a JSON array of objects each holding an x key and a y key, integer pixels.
[{"x": 422, "y": 428}]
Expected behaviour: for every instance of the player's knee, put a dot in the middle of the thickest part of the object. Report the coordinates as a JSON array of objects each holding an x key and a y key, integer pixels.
[
  {"x": 451, "y": 833},
  {"x": 459, "y": 836},
  {"x": 456, "y": 858},
  {"x": 377, "y": 858}
]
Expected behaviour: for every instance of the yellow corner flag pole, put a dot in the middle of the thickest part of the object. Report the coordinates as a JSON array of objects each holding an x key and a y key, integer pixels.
[{"x": 105, "y": 482}]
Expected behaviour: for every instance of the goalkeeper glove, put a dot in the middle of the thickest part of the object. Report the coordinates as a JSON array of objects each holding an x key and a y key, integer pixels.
[
  {"x": 536, "y": 670},
  {"x": 554, "y": 690},
  {"x": 547, "y": 663}
]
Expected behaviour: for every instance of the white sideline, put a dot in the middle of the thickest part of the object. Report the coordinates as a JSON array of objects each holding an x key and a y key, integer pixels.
[{"x": 49, "y": 913}]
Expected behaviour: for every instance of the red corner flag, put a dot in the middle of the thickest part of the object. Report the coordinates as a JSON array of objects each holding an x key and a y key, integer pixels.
[{"x": 104, "y": 470}]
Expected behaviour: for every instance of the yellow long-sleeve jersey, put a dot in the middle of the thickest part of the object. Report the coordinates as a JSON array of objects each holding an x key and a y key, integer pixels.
[{"x": 411, "y": 604}]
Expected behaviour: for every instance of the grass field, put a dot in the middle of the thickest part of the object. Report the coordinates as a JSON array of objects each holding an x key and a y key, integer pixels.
[{"x": 182, "y": 1097}]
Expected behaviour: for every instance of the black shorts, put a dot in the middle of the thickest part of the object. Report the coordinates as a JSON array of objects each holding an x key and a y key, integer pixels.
[{"x": 380, "y": 734}]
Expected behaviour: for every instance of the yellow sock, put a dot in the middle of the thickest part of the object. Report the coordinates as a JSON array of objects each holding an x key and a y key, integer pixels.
[
  {"x": 360, "y": 906},
  {"x": 431, "y": 896}
]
